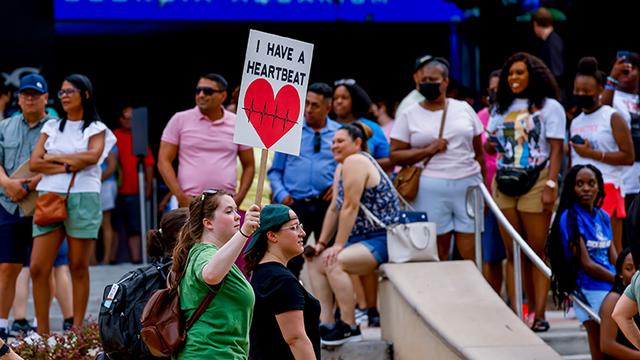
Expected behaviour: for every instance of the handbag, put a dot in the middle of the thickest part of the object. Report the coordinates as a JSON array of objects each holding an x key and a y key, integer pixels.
[
  {"x": 407, "y": 181},
  {"x": 163, "y": 330},
  {"x": 518, "y": 181},
  {"x": 411, "y": 237},
  {"x": 51, "y": 207}
]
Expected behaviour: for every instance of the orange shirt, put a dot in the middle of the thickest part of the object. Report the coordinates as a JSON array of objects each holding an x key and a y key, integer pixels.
[{"x": 128, "y": 162}]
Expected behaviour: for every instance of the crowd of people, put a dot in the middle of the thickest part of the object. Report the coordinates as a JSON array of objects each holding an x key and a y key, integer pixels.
[{"x": 537, "y": 149}]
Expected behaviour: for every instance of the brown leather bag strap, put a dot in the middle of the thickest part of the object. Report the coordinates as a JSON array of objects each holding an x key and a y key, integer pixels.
[
  {"x": 73, "y": 180},
  {"x": 441, "y": 131},
  {"x": 201, "y": 309},
  {"x": 444, "y": 117}
]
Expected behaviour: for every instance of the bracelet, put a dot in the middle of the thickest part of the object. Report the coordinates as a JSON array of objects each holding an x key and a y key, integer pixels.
[
  {"x": 613, "y": 80},
  {"x": 4, "y": 349},
  {"x": 243, "y": 234}
]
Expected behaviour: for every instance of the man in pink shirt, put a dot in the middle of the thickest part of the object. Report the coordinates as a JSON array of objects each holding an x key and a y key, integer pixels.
[{"x": 202, "y": 139}]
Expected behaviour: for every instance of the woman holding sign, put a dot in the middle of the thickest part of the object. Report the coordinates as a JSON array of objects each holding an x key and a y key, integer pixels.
[
  {"x": 203, "y": 261},
  {"x": 360, "y": 247}
]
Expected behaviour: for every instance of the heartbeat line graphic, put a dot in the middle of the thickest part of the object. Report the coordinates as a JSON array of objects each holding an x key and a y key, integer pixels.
[{"x": 263, "y": 113}]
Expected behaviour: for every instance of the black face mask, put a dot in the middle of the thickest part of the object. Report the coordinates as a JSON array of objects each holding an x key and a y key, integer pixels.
[
  {"x": 584, "y": 101},
  {"x": 430, "y": 91}
]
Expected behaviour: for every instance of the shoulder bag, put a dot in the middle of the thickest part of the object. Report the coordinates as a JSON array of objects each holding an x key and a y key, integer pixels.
[
  {"x": 411, "y": 237},
  {"x": 407, "y": 181},
  {"x": 51, "y": 207}
]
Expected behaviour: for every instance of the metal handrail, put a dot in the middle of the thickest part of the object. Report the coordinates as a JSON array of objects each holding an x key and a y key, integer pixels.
[{"x": 480, "y": 192}]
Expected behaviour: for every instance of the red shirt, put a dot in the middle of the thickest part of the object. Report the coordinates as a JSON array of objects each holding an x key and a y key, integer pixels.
[{"x": 128, "y": 162}]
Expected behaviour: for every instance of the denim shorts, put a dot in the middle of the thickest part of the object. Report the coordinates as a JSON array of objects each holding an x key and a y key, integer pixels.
[
  {"x": 375, "y": 242},
  {"x": 15, "y": 237},
  {"x": 492, "y": 244},
  {"x": 445, "y": 202},
  {"x": 595, "y": 299}
]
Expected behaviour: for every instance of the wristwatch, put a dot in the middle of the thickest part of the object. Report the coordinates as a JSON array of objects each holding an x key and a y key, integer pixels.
[
  {"x": 551, "y": 184},
  {"x": 25, "y": 186}
]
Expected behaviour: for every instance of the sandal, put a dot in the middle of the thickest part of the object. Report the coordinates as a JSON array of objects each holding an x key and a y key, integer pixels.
[{"x": 540, "y": 325}]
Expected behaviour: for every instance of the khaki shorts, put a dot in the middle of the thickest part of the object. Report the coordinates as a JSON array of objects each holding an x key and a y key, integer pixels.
[{"x": 530, "y": 202}]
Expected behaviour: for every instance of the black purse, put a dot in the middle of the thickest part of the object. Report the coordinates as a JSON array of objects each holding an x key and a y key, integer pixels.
[{"x": 518, "y": 181}]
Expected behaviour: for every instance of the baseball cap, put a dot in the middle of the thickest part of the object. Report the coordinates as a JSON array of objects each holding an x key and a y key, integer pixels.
[
  {"x": 34, "y": 82},
  {"x": 425, "y": 59},
  {"x": 271, "y": 218}
]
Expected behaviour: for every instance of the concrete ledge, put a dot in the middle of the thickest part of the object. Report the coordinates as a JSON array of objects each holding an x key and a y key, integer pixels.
[
  {"x": 363, "y": 350},
  {"x": 446, "y": 310}
]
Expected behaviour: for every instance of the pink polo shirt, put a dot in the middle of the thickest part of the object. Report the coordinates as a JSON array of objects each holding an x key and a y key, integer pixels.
[{"x": 206, "y": 151}]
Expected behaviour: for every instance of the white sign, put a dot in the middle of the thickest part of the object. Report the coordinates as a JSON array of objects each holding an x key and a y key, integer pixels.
[{"x": 272, "y": 93}]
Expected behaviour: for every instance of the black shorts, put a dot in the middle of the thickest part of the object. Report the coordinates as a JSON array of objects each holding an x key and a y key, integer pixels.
[{"x": 15, "y": 237}]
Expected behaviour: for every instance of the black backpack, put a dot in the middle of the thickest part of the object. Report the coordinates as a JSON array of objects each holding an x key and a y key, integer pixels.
[{"x": 121, "y": 309}]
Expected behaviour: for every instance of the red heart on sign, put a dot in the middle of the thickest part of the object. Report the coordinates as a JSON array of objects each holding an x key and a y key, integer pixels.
[{"x": 271, "y": 117}]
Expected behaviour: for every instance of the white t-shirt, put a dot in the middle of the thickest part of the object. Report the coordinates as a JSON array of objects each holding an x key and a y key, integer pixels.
[
  {"x": 596, "y": 127},
  {"x": 413, "y": 97},
  {"x": 626, "y": 105},
  {"x": 419, "y": 127},
  {"x": 74, "y": 140},
  {"x": 523, "y": 136}
]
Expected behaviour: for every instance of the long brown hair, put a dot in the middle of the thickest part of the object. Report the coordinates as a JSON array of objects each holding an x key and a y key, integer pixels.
[
  {"x": 201, "y": 207},
  {"x": 162, "y": 241},
  {"x": 255, "y": 255}
]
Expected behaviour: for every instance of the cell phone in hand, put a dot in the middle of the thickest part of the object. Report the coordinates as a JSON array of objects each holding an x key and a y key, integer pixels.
[
  {"x": 624, "y": 55},
  {"x": 309, "y": 251},
  {"x": 577, "y": 139}
]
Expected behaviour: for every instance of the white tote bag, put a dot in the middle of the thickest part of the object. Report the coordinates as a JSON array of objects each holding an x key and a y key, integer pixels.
[
  {"x": 412, "y": 238},
  {"x": 408, "y": 242}
]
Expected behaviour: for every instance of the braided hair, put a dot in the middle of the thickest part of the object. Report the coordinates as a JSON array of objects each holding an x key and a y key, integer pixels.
[{"x": 564, "y": 267}]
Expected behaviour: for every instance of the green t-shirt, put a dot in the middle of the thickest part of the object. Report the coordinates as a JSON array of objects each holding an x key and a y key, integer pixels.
[
  {"x": 222, "y": 332},
  {"x": 633, "y": 290}
]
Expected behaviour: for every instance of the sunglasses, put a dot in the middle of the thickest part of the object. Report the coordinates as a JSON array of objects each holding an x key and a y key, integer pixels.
[
  {"x": 68, "y": 92},
  {"x": 297, "y": 227},
  {"x": 208, "y": 91},
  {"x": 316, "y": 142},
  {"x": 349, "y": 82},
  {"x": 208, "y": 192}
]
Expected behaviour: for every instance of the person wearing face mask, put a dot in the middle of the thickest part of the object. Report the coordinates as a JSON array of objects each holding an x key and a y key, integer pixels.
[
  {"x": 621, "y": 92},
  {"x": 492, "y": 247},
  {"x": 455, "y": 161},
  {"x": 527, "y": 132},
  {"x": 601, "y": 137}
]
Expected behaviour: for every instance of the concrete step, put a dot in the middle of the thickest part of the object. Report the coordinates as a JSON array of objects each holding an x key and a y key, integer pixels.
[
  {"x": 372, "y": 347},
  {"x": 578, "y": 357},
  {"x": 565, "y": 335}
]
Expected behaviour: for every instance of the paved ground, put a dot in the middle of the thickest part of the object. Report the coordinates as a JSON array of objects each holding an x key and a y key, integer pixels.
[{"x": 101, "y": 276}]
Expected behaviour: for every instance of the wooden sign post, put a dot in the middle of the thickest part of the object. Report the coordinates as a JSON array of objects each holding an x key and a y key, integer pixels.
[{"x": 272, "y": 96}]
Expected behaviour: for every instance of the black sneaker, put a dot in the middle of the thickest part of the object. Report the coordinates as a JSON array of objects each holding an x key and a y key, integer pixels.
[
  {"x": 324, "y": 330},
  {"x": 67, "y": 324},
  {"x": 341, "y": 334},
  {"x": 21, "y": 327},
  {"x": 374, "y": 317},
  {"x": 4, "y": 334}
]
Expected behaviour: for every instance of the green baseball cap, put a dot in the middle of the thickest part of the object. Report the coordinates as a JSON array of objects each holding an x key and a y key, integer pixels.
[{"x": 271, "y": 218}]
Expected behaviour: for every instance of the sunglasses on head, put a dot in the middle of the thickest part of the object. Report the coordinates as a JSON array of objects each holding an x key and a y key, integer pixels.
[
  {"x": 208, "y": 192},
  {"x": 208, "y": 91},
  {"x": 349, "y": 82}
]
